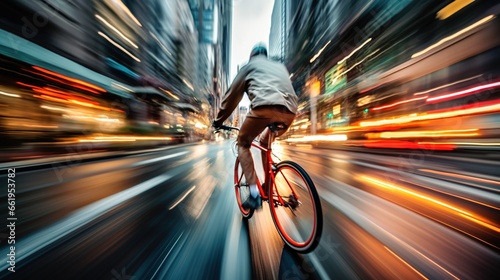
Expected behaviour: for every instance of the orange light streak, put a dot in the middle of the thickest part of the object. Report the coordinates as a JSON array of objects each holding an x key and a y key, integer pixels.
[
  {"x": 403, "y": 261},
  {"x": 26, "y": 85},
  {"x": 71, "y": 95},
  {"x": 459, "y": 211},
  {"x": 46, "y": 97},
  {"x": 69, "y": 79},
  {"x": 86, "y": 104},
  {"x": 399, "y": 144},
  {"x": 452, "y": 194},
  {"x": 47, "y": 77},
  {"x": 53, "y": 94},
  {"x": 425, "y": 133},
  {"x": 123, "y": 138}
]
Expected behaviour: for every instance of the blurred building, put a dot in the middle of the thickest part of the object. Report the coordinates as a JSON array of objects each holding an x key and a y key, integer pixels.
[
  {"x": 280, "y": 26},
  {"x": 356, "y": 64},
  {"x": 145, "y": 57},
  {"x": 213, "y": 21}
]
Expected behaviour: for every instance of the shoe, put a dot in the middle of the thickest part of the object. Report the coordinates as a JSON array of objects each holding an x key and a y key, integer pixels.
[{"x": 252, "y": 203}]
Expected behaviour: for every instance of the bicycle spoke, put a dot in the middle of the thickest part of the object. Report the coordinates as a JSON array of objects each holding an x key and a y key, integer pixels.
[{"x": 300, "y": 225}]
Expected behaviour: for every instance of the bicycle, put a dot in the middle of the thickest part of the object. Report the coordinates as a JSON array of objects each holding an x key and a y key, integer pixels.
[{"x": 292, "y": 196}]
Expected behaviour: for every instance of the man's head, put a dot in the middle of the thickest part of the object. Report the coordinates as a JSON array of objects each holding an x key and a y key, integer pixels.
[{"x": 259, "y": 49}]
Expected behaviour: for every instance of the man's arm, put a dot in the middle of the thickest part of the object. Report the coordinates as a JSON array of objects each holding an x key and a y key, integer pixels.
[{"x": 232, "y": 98}]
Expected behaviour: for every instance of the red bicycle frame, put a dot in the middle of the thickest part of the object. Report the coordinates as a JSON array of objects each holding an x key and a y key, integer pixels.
[{"x": 269, "y": 177}]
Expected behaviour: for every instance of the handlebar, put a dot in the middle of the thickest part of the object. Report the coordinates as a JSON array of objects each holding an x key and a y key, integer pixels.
[{"x": 225, "y": 127}]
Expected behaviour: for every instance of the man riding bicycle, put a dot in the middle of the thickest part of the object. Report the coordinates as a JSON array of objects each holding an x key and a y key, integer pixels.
[{"x": 272, "y": 99}]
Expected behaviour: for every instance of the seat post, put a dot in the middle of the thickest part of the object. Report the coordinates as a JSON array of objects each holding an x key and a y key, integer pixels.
[{"x": 270, "y": 139}]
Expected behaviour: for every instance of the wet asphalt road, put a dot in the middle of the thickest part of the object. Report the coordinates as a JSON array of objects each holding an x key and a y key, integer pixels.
[{"x": 171, "y": 214}]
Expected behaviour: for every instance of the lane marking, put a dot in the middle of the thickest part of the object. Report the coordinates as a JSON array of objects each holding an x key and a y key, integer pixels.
[
  {"x": 182, "y": 198},
  {"x": 158, "y": 159},
  {"x": 164, "y": 259}
]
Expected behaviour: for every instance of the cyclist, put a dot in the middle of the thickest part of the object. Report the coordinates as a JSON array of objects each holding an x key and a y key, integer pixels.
[{"x": 272, "y": 99}]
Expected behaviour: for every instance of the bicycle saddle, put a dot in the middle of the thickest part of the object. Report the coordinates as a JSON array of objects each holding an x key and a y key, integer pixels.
[{"x": 276, "y": 126}]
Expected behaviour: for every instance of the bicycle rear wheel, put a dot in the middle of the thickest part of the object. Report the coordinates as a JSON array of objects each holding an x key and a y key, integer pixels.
[
  {"x": 299, "y": 220},
  {"x": 242, "y": 190}
]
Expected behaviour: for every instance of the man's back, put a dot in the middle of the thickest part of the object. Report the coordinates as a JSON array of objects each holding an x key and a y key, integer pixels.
[{"x": 268, "y": 83}]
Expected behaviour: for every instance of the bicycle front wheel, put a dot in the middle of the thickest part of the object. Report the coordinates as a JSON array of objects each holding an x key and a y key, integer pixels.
[
  {"x": 297, "y": 215},
  {"x": 242, "y": 190}
]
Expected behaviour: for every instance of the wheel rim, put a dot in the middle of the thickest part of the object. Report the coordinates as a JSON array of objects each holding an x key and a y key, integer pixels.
[
  {"x": 242, "y": 192},
  {"x": 297, "y": 227}
]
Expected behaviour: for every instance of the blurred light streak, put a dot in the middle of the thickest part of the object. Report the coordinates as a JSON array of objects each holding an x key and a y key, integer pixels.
[
  {"x": 467, "y": 143},
  {"x": 452, "y": 8},
  {"x": 452, "y": 112},
  {"x": 291, "y": 75},
  {"x": 69, "y": 79},
  {"x": 127, "y": 11},
  {"x": 40, "y": 126},
  {"x": 370, "y": 88},
  {"x": 107, "y": 120},
  {"x": 47, "y": 77},
  {"x": 484, "y": 224},
  {"x": 182, "y": 198},
  {"x": 354, "y": 66},
  {"x": 355, "y": 17},
  {"x": 117, "y": 31},
  {"x": 462, "y": 92},
  {"x": 26, "y": 85},
  {"x": 451, "y": 37},
  {"x": 188, "y": 84},
  {"x": 403, "y": 261},
  {"x": 121, "y": 87},
  {"x": 86, "y": 104},
  {"x": 454, "y": 195},
  {"x": 335, "y": 137},
  {"x": 424, "y": 133},
  {"x": 159, "y": 42},
  {"x": 62, "y": 94},
  {"x": 447, "y": 85},
  {"x": 319, "y": 52},
  {"x": 398, "y": 144},
  {"x": 50, "y": 93},
  {"x": 122, "y": 138},
  {"x": 50, "y": 98},
  {"x": 169, "y": 93},
  {"x": 459, "y": 211},
  {"x": 53, "y": 108},
  {"x": 200, "y": 125},
  {"x": 355, "y": 50},
  {"x": 166, "y": 256},
  {"x": 461, "y": 176},
  {"x": 10, "y": 94},
  {"x": 118, "y": 46},
  {"x": 386, "y": 96},
  {"x": 398, "y": 103}
]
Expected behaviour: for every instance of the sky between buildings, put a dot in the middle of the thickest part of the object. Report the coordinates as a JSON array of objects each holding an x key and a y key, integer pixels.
[{"x": 251, "y": 24}]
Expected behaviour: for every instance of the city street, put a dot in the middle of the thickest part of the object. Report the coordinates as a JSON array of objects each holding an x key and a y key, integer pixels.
[{"x": 171, "y": 213}]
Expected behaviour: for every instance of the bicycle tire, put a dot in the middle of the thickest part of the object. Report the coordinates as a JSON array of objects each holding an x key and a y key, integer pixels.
[
  {"x": 238, "y": 178},
  {"x": 290, "y": 233}
]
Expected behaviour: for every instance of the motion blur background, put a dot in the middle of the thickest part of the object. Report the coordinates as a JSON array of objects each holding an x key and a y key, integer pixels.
[
  {"x": 398, "y": 125},
  {"x": 399, "y": 74}
]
